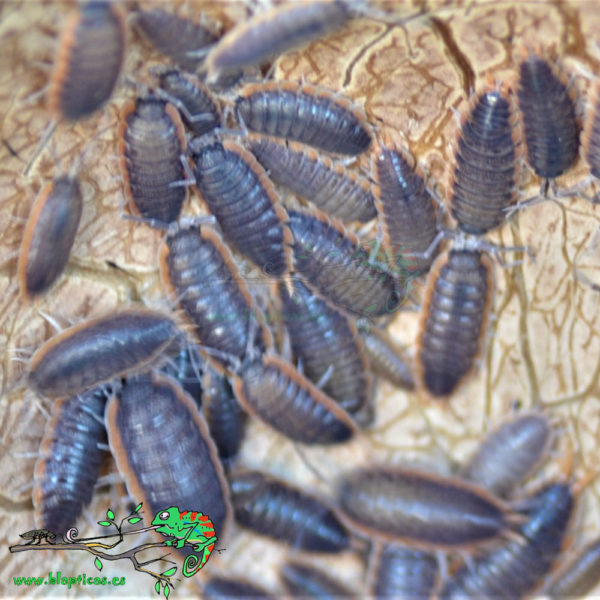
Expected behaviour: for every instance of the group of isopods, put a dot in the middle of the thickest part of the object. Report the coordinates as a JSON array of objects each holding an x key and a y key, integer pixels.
[{"x": 300, "y": 361}]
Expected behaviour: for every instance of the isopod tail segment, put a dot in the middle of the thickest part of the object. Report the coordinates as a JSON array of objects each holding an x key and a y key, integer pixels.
[{"x": 453, "y": 321}]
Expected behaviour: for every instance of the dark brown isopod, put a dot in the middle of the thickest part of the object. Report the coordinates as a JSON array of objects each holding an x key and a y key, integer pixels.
[
  {"x": 509, "y": 453},
  {"x": 551, "y": 130},
  {"x": 515, "y": 568},
  {"x": 243, "y": 200},
  {"x": 49, "y": 235},
  {"x": 163, "y": 449},
  {"x": 402, "y": 572},
  {"x": 151, "y": 142},
  {"x": 303, "y": 113},
  {"x": 408, "y": 212},
  {"x": 89, "y": 59},
  {"x": 286, "y": 514},
  {"x": 227, "y": 588},
  {"x": 198, "y": 108},
  {"x": 327, "y": 184},
  {"x": 335, "y": 264},
  {"x": 453, "y": 319},
  {"x": 225, "y": 417},
  {"x": 419, "y": 509},
  {"x": 304, "y": 581},
  {"x": 323, "y": 339},
  {"x": 386, "y": 359},
  {"x": 199, "y": 271},
  {"x": 100, "y": 350},
  {"x": 70, "y": 460},
  {"x": 483, "y": 180},
  {"x": 578, "y": 577},
  {"x": 591, "y": 133},
  {"x": 275, "y": 31},
  {"x": 176, "y": 37},
  {"x": 274, "y": 391}
]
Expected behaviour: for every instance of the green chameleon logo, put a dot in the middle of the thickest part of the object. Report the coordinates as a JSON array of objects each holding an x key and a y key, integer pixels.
[{"x": 188, "y": 527}]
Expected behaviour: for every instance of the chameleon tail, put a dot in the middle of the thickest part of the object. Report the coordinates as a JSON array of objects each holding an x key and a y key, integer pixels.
[{"x": 193, "y": 563}]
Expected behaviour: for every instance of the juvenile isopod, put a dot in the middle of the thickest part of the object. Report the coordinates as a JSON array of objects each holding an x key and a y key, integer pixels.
[
  {"x": 228, "y": 588},
  {"x": 323, "y": 339},
  {"x": 335, "y": 264},
  {"x": 515, "y": 568},
  {"x": 302, "y": 580},
  {"x": 484, "y": 176},
  {"x": 403, "y": 572},
  {"x": 327, "y": 184},
  {"x": 199, "y": 110},
  {"x": 49, "y": 235},
  {"x": 89, "y": 59},
  {"x": 151, "y": 143},
  {"x": 286, "y": 514},
  {"x": 100, "y": 350},
  {"x": 243, "y": 200},
  {"x": 163, "y": 449},
  {"x": 199, "y": 271},
  {"x": 453, "y": 319},
  {"x": 70, "y": 459},
  {"x": 305, "y": 114},
  {"x": 274, "y": 391},
  {"x": 275, "y": 31},
  {"x": 420, "y": 509},
  {"x": 550, "y": 124},
  {"x": 509, "y": 453},
  {"x": 176, "y": 37},
  {"x": 408, "y": 211}
]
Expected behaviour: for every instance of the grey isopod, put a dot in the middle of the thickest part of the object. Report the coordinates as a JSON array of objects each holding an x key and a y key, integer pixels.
[
  {"x": 408, "y": 211},
  {"x": 453, "y": 319},
  {"x": 151, "y": 143},
  {"x": 286, "y": 514},
  {"x": 243, "y": 200},
  {"x": 423, "y": 510},
  {"x": 275, "y": 31},
  {"x": 302, "y": 580},
  {"x": 199, "y": 272},
  {"x": 305, "y": 114},
  {"x": 335, "y": 264},
  {"x": 275, "y": 392},
  {"x": 70, "y": 460},
  {"x": 89, "y": 59},
  {"x": 509, "y": 453},
  {"x": 327, "y": 184},
  {"x": 49, "y": 235},
  {"x": 484, "y": 176},
  {"x": 175, "y": 36},
  {"x": 100, "y": 350},
  {"x": 163, "y": 449},
  {"x": 187, "y": 367},
  {"x": 550, "y": 124},
  {"x": 515, "y": 568},
  {"x": 322, "y": 338}
]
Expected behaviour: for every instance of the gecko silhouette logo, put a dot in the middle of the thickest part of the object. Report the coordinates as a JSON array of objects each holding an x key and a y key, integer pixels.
[{"x": 188, "y": 528}]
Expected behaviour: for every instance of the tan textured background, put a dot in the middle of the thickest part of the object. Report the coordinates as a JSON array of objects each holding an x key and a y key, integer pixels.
[{"x": 543, "y": 346}]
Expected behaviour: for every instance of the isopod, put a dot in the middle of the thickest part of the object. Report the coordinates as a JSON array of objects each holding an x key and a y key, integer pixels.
[
  {"x": 484, "y": 176},
  {"x": 275, "y": 392},
  {"x": 335, "y": 264},
  {"x": 163, "y": 449},
  {"x": 89, "y": 59},
  {"x": 453, "y": 319},
  {"x": 305, "y": 114},
  {"x": 227, "y": 588},
  {"x": 419, "y": 509},
  {"x": 591, "y": 133},
  {"x": 302, "y": 580},
  {"x": 100, "y": 350},
  {"x": 70, "y": 460},
  {"x": 49, "y": 235},
  {"x": 550, "y": 124},
  {"x": 151, "y": 143},
  {"x": 286, "y": 514},
  {"x": 408, "y": 211},
  {"x": 327, "y": 184},
  {"x": 243, "y": 200},
  {"x": 187, "y": 367}
]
